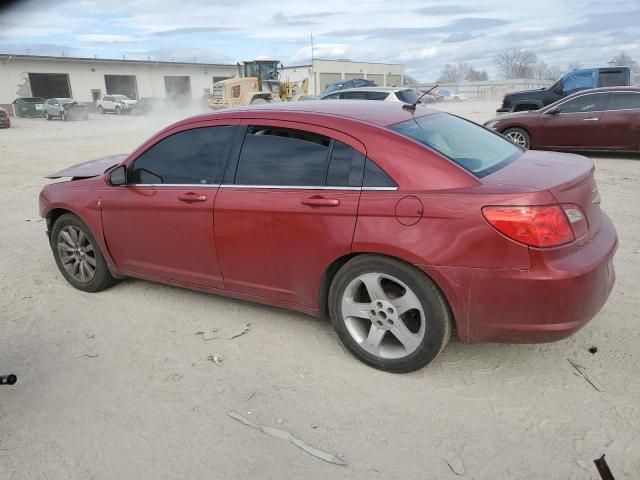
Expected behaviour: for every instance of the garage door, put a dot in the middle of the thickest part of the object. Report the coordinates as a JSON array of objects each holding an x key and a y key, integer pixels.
[
  {"x": 50, "y": 85},
  {"x": 121, "y": 85},
  {"x": 378, "y": 78},
  {"x": 351, "y": 76},
  {"x": 393, "y": 80},
  {"x": 327, "y": 78}
]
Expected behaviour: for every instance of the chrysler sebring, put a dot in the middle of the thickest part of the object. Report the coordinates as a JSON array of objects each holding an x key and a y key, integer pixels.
[{"x": 401, "y": 225}]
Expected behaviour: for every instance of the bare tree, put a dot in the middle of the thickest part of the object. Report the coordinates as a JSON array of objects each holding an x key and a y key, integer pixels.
[
  {"x": 623, "y": 59},
  {"x": 516, "y": 63},
  {"x": 575, "y": 65},
  {"x": 542, "y": 71},
  {"x": 450, "y": 73}
]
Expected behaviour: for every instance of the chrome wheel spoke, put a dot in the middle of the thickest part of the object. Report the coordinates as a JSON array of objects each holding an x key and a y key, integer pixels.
[
  {"x": 90, "y": 260},
  {"x": 373, "y": 340},
  {"x": 409, "y": 340},
  {"x": 355, "y": 309},
  {"x": 67, "y": 259},
  {"x": 67, "y": 238},
  {"x": 372, "y": 284},
  {"x": 65, "y": 247},
  {"x": 76, "y": 253},
  {"x": 406, "y": 302}
]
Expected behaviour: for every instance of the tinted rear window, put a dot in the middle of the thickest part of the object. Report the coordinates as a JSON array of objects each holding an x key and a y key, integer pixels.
[
  {"x": 624, "y": 101},
  {"x": 474, "y": 148}
]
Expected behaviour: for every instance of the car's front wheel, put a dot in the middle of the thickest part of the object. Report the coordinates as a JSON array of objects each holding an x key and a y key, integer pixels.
[
  {"x": 78, "y": 256},
  {"x": 518, "y": 136},
  {"x": 388, "y": 314}
]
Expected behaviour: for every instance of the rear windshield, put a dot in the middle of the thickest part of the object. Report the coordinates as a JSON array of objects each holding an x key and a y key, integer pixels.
[{"x": 471, "y": 146}]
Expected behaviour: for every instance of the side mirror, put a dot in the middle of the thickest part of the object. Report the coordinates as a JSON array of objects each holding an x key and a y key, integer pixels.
[
  {"x": 553, "y": 111},
  {"x": 118, "y": 176}
]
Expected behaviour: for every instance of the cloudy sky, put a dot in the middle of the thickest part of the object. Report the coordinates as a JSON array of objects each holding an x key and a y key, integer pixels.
[{"x": 422, "y": 35}]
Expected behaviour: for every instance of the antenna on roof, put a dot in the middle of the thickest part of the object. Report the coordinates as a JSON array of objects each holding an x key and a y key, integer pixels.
[{"x": 412, "y": 106}]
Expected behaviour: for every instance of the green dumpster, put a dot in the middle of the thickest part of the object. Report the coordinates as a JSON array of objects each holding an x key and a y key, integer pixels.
[{"x": 29, "y": 107}]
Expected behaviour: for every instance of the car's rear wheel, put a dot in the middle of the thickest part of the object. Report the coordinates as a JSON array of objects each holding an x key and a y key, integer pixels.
[
  {"x": 78, "y": 256},
  {"x": 388, "y": 314},
  {"x": 518, "y": 136}
]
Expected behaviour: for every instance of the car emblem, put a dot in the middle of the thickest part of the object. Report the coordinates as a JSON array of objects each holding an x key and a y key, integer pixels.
[{"x": 596, "y": 198}]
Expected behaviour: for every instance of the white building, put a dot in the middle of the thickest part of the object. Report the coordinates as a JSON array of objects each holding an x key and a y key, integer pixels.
[
  {"x": 85, "y": 79},
  {"x": 321, "y": 73}
]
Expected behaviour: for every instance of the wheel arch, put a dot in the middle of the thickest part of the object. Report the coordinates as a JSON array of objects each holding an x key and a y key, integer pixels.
[
  {"x": 526, "y": 129},
  {"x": 331, "y": 271}
]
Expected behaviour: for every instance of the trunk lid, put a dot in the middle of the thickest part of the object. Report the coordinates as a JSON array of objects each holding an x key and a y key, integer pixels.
[{"x": 568, "y": 177}]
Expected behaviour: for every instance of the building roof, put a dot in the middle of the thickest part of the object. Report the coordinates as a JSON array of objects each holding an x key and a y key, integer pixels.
[
  {"x": 342, "y": 60},
  {"x": 10, "y": 56}
]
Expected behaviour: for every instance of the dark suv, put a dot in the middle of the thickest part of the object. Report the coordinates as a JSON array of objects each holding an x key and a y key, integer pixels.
[{"x": 569, "y": 83}]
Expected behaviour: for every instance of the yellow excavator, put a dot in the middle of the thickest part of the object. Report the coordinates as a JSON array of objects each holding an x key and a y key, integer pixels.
[{"x": 258, "y": 82}]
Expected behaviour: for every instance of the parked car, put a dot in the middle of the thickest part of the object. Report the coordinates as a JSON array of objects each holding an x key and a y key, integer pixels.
[
  {"x": 447, "y": 95},
  {"x": 344, "y": 84},
  {"x": 115, "y": 103},
  {"x": 597, "y": 119},
  {"x": 29, "y": 107},
  {"x": 5, "y": 120},
  {"x": 387, "y": 94},
  {"x": 65, "y": 109},
  {"x": 149, "y": 105},
  {"x": 570, "y": 83},
  {"x": 412, "y": 222}
]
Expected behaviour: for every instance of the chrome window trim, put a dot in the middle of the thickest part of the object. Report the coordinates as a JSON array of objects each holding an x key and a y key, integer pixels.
[{"x": 271, "y": 187}]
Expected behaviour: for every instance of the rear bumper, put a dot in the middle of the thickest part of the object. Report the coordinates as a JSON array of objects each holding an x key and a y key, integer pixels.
[{"x": 552, "y": 300}]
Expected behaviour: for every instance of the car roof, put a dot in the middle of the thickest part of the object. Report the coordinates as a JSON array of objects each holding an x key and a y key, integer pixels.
[
  {"x": 605, "y": 89},
  {"x": 375, "y": 89},
  {"x": 377, "y": 113}
]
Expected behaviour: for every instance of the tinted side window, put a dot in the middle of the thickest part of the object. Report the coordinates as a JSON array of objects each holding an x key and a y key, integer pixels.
[
  {"x": 354, "y": 95},
  {"x": 612, "y": 79},
  {"x": 282, "y": 156},
  {"x": 624, "y": 101},
  {"x": 195, "y": 156},
  {"x": 374, "y": 176},
  {"x": 334, "y": 96},
  {"x": 377, "y": 95},
  {"x": 584, "y": 103},
  {"x": 345, "y": 167}
]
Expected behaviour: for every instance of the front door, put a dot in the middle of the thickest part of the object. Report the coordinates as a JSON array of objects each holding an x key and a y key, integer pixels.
[
  {"x": 287, "y": 210},
  {"x": 160, "y": 225},
  {"x": 621, "y": 122},
  {"x": 576, "y": 125}
]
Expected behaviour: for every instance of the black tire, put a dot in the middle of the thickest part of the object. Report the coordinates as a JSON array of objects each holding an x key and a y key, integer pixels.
[
  {"x": 519, "y": 136},
  {"x": 102, "y": 278},
  {"x": 438, "y": 320},
  {"x": 259, "y": 101}
]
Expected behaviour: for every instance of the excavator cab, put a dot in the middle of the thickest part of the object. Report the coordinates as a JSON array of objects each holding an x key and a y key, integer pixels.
[{"x": 266, "y": 71}]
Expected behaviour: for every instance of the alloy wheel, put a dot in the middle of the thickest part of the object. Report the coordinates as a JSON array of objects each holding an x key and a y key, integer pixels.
[
  {"x": 76, "y": 253},
  {"x": 517, "y": 138},
  {"x": 383, "y": 315}
]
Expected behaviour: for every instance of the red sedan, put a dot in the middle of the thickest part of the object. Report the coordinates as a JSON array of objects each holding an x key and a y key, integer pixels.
[
  {"x": 597, "y": 119},
  {"x": 399, "y": 225}
]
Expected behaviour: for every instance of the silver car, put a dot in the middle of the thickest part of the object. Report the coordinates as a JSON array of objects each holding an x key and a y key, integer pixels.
[
  {"x": 64, "y": 109},
  {"x": 386, "y": 94}
]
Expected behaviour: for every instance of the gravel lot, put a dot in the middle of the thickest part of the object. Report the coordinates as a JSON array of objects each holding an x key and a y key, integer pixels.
[{"x": 117, "y": 385}]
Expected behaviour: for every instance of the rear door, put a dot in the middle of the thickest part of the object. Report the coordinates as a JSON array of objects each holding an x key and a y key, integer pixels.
[
  {"x": 620, "y": 123},
  {"x": 287, "y": 209},
  {"x": 577, "y": 125},
  {"x": 160, "y": 225}
]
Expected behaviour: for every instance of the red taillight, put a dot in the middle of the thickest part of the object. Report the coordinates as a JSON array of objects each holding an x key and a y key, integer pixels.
[{"x": 536, "y": 226}]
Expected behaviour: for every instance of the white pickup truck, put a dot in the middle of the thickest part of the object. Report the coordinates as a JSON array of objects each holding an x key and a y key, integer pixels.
[{"x": 115, "y": 103}]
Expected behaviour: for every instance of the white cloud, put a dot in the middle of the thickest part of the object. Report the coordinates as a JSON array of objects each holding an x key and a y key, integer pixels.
[
  {"x": 106, "y": 37},
  {"x": 323, "y": 50}
]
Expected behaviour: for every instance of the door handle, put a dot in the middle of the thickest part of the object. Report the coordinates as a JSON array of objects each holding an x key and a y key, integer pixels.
[
  {"x": 192, "y": 197},
  {"x": 590, "y": 119},
  {"x": 321, "y": 202}
]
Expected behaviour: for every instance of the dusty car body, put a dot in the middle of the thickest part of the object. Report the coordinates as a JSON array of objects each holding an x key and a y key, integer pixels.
[
  {"x": 597, "y": 119},
  {"x": 65, "y": 109},
  {"x": 396, "y": 230},
  {"x": 5, "y": 120}
]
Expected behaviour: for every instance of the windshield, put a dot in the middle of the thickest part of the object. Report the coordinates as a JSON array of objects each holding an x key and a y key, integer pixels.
[{"x": 474, "y": 148}]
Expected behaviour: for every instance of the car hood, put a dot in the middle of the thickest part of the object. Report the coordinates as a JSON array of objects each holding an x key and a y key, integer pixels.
[{"x": 92, "y": 168}]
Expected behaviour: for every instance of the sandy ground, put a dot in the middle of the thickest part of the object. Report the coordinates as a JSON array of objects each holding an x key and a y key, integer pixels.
[{"x": 117, "y": 385}]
